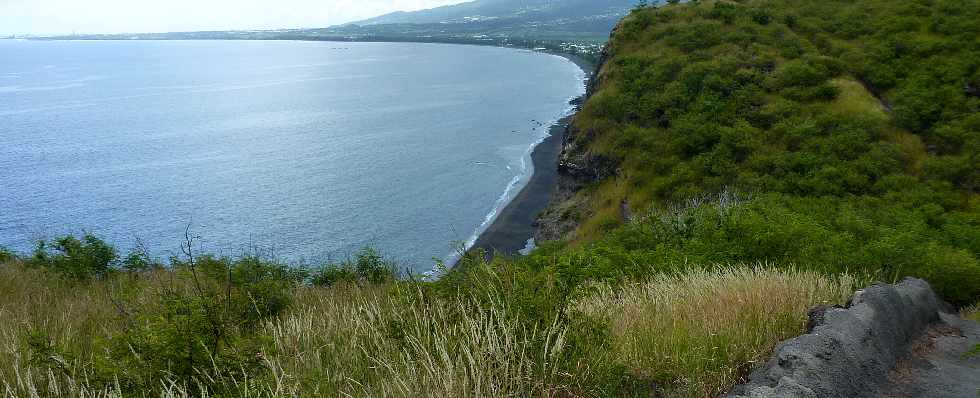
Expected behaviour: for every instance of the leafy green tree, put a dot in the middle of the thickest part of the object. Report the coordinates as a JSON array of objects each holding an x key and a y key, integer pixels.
[{"x": 76, "y": 259}]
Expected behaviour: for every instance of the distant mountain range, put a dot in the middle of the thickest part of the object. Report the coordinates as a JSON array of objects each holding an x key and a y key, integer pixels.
[
  {"x": 571, "y": 26},
  {"x": 581, "y": 20},
  {"x": 516, "y": 10}
]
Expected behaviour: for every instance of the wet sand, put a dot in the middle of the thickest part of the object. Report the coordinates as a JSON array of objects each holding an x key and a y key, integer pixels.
[
  {"x": 509, "y": 233},
  {"x": 515, "y": 224}
]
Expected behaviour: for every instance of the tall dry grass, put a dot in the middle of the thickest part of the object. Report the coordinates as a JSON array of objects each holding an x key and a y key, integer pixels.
[
  {"x": 700, "y": 331},
  {"x": 33, "y": 301},
  {"x": 402, "y": 344},
  {"x": 972, "y": 312},
  {"x": 349, "y": 340},
  {"x": 697, "y": 331}
]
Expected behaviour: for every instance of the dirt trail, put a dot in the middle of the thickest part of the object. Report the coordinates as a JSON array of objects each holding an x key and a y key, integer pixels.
[{"x": 941, "y": 364}]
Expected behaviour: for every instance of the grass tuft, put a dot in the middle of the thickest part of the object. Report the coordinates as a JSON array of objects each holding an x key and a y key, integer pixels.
[
  {"x": 972, "y": 312},
  {"x": 699, "y": 332}
]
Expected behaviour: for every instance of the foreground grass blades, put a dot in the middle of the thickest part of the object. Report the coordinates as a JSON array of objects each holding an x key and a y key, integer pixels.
[
  {"x": 694, "y": 333},
  {"x": 698, "y": 332}
]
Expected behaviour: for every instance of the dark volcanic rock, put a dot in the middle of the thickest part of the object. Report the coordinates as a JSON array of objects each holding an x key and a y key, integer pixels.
[
  {"x": 849, "y": 351},
  {"x": 972, "y": 90},
  {"x": 576, "y": 169}
]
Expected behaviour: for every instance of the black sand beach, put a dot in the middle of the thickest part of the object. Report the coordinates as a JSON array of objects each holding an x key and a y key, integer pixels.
[
  {"x": 512, "y": 228},
  {"x": 509, "y": 233}
]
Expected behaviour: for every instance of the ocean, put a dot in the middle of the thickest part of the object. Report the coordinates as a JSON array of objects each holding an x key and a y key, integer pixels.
[{"x": 306, "y": 151}]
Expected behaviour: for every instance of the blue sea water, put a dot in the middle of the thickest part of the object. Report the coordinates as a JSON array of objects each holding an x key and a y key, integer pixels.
[{"x": 311, "y": 150}]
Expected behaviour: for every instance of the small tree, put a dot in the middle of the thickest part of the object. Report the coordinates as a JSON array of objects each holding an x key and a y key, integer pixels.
[
  {"x": 76, "y": 259},
  {"x": 6, "y": 255}
]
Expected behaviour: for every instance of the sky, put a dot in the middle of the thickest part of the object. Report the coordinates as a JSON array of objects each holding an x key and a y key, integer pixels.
[{"x": 49, "y": 17}]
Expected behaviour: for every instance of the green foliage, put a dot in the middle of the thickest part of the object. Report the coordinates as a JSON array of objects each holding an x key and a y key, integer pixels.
[
  {"x": 76, "y": 259},
  {"x": 854, "y": 123},
  {"x": 6, "y": 255},
  {"x": 367, "y": 266},
  {"x": 202, "y": 328},
  {"x": 139, "y": 260},
  {"x": 973, "y": 352},
  {"x": 196, "y": 323}
]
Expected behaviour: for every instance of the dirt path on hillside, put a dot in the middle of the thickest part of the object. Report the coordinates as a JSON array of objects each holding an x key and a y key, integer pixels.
[{"x": 941, "y": 365}]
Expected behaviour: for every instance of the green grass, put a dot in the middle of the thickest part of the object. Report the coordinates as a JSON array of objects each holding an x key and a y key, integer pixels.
[
  {"x": 972, "y": 312},
  {"x": 404, "y": 339},
  {"x": 346, "y": 340},
  {"x": 819, "y": 138},
  {"x": 700, "y": 331},
  {"x": 809, "y": 106},
  {"x": 853, "y": 98}
]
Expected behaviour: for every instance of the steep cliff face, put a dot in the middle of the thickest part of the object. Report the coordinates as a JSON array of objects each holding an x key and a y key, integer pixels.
[{"x": 577, "y": 168}]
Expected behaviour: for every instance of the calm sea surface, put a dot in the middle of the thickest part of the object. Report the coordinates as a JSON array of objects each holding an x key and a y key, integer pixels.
[{"x": 311, "y": 149}]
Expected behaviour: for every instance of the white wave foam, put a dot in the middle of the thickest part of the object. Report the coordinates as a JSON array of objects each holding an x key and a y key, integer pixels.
[
  {"x": 12, "y": 112},
  {"x": 519, "y": 181},
  {"x": 22, "y": 89}
]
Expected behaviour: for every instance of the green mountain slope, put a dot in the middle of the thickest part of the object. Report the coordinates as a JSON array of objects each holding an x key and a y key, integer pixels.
[
  {"x": 529, "y": 10},
  {"x": 736, "y": 164},
  {"x": 849, "y": 130},
  {"x": 552, "y": 24},
  {"x": 563, "y": 20}
]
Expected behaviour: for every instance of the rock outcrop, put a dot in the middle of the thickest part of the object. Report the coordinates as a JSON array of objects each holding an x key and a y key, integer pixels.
[
  {"x": 576, "y": 169},
  {"x": 851, "y": 351}
]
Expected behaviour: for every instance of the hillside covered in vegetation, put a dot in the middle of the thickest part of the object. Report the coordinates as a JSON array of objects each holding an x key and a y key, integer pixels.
[
  {"x": 849, "y": 132},
  {"x": 737, "y": 164}
]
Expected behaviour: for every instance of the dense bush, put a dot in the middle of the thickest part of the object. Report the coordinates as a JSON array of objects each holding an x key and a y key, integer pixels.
[
  {"x": 6, "y": 255},
  {"x": 76, "y": 258},
  {"x": 194, "y": 322},
  {"x": 851, "y": 129},
  {"x": 855, "y": 123},
  {"x": 367, "y": 266}
]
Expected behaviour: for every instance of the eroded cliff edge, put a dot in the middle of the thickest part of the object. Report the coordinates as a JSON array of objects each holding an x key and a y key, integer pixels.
[
  {"x": 577, "y": 168},
  {"x": 890, "y": 340}
]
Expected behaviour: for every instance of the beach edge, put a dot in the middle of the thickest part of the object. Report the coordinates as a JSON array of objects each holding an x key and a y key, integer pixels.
[{"x": 516, "y": 224}]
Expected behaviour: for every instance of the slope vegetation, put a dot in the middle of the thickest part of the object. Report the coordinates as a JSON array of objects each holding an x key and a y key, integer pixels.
[
  {"x": 849, "y": 132},
  {"x": 805, "y": 145}
]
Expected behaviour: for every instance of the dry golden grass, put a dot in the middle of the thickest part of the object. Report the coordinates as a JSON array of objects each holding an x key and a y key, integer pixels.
[
  {"x": 362, "y": 342},
  {"x": 700, "y": 331},
  {"x": 972, "y": 312},
  {"x": 344, "y": 341},
  {"x": 855, "y": 99},
  {"x": 33, "y": 300}
]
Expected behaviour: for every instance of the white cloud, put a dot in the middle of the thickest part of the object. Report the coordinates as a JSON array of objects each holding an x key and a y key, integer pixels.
[{"x": 117, "y": 16}]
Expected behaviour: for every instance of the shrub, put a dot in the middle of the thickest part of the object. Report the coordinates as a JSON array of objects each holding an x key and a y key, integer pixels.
[
  {"x": 139, "y": 260},
  {"x": 6, "y": 255},
  {"x": 76, "y": 259},
  {"x": 367, "y": 266},
  {"x": 724, "y": 11},
  {"x": 801, "y": 73},
  {"x": 200, "y": 327},
  {"x": 761, "y": 16}
]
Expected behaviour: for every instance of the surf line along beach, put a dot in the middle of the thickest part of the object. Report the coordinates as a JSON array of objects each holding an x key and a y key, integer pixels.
[{"x": 514, "y": 226}]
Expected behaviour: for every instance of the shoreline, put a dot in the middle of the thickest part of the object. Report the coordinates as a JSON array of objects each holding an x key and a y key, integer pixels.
[{"x": 515, "y": 225}]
